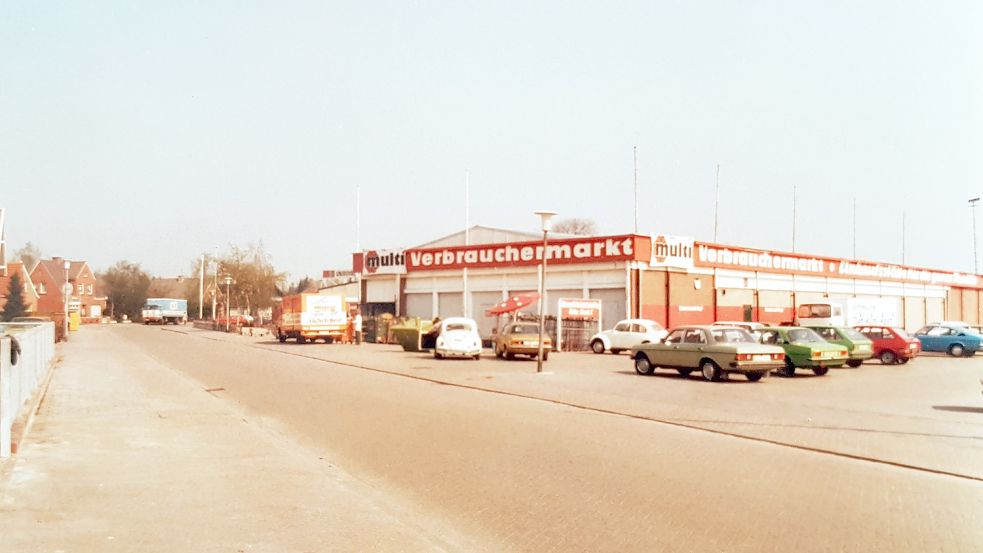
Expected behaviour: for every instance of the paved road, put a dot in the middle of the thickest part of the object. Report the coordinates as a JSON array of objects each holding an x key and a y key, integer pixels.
[{"x": 594, "y": 458}]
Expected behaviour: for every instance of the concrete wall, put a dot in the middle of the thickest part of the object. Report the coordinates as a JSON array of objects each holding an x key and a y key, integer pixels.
[{"x": 19, "y": 381}]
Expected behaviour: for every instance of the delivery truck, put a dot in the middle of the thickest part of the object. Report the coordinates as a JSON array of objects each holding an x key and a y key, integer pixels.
[
  {"x": 311, "y": 317},
  {"x": 850, "y": 312},
  {"x": 164, "y": 311}
]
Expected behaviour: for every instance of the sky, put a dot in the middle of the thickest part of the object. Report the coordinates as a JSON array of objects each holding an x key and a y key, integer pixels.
[{"x": 157, "y": 131}]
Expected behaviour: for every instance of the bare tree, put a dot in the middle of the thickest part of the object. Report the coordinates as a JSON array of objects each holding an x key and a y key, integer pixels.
[
  {"x": 29, "y": 254},
  {"x": 576, "y": 225}
]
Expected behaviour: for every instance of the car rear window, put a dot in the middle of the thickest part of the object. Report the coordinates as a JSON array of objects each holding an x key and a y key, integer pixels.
[
  {"x": 457, "y": 326},
  {"x": 804, "y": 336},
  {"x": 853, "y": 334},
  {"x": 732, "y": 336}
]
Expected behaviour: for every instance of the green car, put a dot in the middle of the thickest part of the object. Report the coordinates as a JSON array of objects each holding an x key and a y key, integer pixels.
[
  {"x": 861, "y": 348},
  {"x": 804, "y": 348}
]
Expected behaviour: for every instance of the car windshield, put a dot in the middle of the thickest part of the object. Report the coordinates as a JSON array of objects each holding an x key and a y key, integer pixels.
[
  {"x": 804, "y": 336},
  {"x": 525, "y": 329},
  {"x": 732, "y": 336},
  {"x": 853, "y": 334}
]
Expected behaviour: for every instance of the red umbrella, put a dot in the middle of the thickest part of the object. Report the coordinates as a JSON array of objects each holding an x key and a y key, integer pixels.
[{"x": 514, "y": 303}]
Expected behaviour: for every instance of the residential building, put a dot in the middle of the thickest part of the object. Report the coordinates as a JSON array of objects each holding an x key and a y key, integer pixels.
[{"x": 48, "y": 276}]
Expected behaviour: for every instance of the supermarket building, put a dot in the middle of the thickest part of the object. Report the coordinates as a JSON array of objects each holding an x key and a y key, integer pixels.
[{"x": 670, "y": 279}]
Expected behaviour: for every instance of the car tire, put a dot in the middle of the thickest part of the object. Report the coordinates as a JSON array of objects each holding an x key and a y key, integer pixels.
[
  {"x": 789, "y": 370},
  {"x": 499, "y": 352},
  {"x": 684, "y": 372},
  {"x": 437, "y": 355},
  {"x": 616, "y": 351},
  {"x": 546, "y": 355},
  {"x": 301, "y": 339},
  {"x": 642, "y": 365},
  {"x": 755, "y": 376},
  {"x": 281, "y": 338},
  {"x": 509, "y": 355},
  {"x": 904, "y": 361},
  {"x": 820, "y": 371},
  {"x": 956, "y": 350},
  {"x": 710, "y": 370},
  {"x": 855, "y": 363},
  {"x": 597, "y": 346},
  {"x": 477, "y": 356},
  {"x": 888, "y": 357}
]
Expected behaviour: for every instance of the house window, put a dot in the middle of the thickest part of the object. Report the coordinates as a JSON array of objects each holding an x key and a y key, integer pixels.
[
  {"x": 42, "y": 289},
  {"x": 81, "y": 289},
  {"x": 88, "y": 289}
]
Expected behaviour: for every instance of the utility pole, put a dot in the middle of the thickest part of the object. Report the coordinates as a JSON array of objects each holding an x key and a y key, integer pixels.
[
  {"x": 972, "y": 206},
  {"x": 716, "y": 205},
  {"x": 902, "y": 236},
  {"x": 201, "y": 287},
  {"x": 793, "y": 216},
  {"x": 358, "y": 215},
  {"x": 854, "y": 227},
  {"x": 634, "y": 150}
]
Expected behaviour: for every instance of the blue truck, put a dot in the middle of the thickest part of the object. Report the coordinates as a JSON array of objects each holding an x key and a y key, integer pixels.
[{"x": 164, "y": 311}]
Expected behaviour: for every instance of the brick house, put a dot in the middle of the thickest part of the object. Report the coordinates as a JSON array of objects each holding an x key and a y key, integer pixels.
[
  {"x": 48, "y": 277},
  {"x": 30, "y": 294}
]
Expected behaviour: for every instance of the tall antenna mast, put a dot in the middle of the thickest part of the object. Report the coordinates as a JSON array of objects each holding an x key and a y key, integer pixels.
[
  {"x": 716, "y": 205},
  {"x": 634, "y": 150}
]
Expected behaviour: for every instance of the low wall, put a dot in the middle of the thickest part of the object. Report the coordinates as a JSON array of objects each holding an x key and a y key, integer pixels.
[{"x": 19, "y": 381}]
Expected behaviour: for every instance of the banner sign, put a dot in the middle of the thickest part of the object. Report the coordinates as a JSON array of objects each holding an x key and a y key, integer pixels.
[
  {"x": 579, "y": 309},
  {"x": 588, "y": 249},
  {"x": 380, "y": 262},
  {"x": 746, "y": 259}
]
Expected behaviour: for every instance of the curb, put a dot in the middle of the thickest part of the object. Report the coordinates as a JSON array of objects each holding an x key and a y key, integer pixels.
[{"x": 21, "y": 426}]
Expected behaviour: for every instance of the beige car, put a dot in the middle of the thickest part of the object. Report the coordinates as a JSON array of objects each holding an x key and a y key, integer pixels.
[
  {"x": 713, "y": 350},
  {"x": 521, "y": 338}
]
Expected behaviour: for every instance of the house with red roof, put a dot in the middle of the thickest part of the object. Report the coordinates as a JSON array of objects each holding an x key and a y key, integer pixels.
[
  {"x": 30, "y": 294},
  {"x": 49, "y": 277}
]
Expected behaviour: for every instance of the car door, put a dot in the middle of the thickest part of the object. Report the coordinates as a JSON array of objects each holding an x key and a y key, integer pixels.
[
  {"x": 637, "y": 334},
  {"x": 621, "y": 335},
  {"x": 691, "y": 350},
  {"x": 930, "y": 337},
  {"x": 669, "y": 353}
]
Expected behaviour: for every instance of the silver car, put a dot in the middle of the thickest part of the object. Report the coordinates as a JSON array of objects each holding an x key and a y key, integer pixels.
[{"x": 626, "y": 335}]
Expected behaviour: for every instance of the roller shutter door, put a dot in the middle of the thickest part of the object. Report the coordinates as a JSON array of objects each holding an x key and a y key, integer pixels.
[
  {"x": 419, "y": 305},
  {"x": 450, "y": 304},
  {"x": 914, "y": 313},
  {"x": 934, "y": 310},
  {"x": 612, "y": 305},
  {"x": 480, "y": 302}
]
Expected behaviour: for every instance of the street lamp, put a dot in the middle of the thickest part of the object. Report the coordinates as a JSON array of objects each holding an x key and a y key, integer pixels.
[
  {"x": 228, "y": 282},
  {"x": 544, "y": 217},
  {"x": 972, "y": 205},
  {"x": 68, "y": 292}
]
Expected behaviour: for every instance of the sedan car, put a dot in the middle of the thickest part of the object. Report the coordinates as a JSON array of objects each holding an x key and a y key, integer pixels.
[
  {"x": 713, "y": 350},
  {"x": 957, "y": 341},
  {"x": 521, "y": 338},
  {"x": 626, "y": 335},
  {"x": 861, "y": 348},
  {"x": 804, "y": 348},
  {"x": 891, "y": 345},
  {"x": 457, "y": 337}
]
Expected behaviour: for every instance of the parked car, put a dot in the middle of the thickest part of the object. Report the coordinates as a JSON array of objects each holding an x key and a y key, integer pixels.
[
  {"x": 521, "y": 338},
  {"x": 804, "y": 348},
  {"x": 891, "y": 345},
  {"x": 957, "y": 341},
  {"x": 746, "y": 325},
  {"x": 458, "y": 337},
  {"x": 861, "y": 348},
  {"x": 626, "y": 335},
  {"x": 713, "y": 350}
]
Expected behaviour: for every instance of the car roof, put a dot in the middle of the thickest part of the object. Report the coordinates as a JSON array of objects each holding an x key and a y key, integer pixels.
[{"x": 452, "y": 320}]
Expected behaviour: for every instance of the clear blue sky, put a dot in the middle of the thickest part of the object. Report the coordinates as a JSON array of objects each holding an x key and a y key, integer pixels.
[{"x": 153, "y": 131}]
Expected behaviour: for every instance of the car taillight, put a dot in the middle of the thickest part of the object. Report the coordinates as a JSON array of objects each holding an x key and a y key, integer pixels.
[
  {"x": 778, "y": 357},
  {"x": 744, "y": 356},
  {"x": 516, "y": 342},
  {"x": 817, "y": 355}
]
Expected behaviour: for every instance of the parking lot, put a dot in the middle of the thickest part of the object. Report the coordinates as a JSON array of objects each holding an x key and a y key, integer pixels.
[{"x": 926, "y": 415}]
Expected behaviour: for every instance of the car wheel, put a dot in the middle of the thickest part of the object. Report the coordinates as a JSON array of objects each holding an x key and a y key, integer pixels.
[
  {"x": 956, "y": 350},
  {"x": 499, "y": 352},
  {"x": 616, "y": 351},
  {"x": 642, "y": 364},
  {"x": 684, "y": 372},
  {"x": 855, "y": 363},
  {"x": 904, "y": 361},
  {"x": 754, "y": 377},
  {"x": 597, "y": 346},
  {"x": 509, "y": 355},
  {"x": 477, "y": 356},
  {"x": 888, "y": 357},
  {"x": 710, "y": 370},
  {"x": 546, "y": 355},
  {"x": 789, "y": 369},
  {"x": 436, "y": 355},
  {"x": 301, "y": 339},
  {"x": 820, "y": 371},
  {"x": 281, "y": 338}
]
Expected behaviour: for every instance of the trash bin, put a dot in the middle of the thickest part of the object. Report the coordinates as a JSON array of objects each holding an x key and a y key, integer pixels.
[{"x": 74, "y": 320}]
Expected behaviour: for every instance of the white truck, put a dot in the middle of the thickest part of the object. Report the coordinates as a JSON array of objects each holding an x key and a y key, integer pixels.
[
  {"x": 849, "y": 312},
  {"x": 164, "y": 311}
]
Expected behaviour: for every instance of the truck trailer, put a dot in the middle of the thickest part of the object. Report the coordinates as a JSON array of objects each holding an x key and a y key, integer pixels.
[
  {"x": 311, "y": 317},
  {"x": 164, "y": 311}
]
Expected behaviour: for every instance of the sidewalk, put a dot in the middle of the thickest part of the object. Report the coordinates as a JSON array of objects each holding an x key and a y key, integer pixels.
[{"x": 127, "y": 455}]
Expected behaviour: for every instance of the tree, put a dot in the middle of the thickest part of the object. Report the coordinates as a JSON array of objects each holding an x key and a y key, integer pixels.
[
  {"x": 29, "y": 254},
  {"x": 15, "y": 306},
  {"x": 575, "y": 225},
  {"x": 254, "y": 279},
  {"x": 303, "y": 285},
  {"x": 126, "y": 287}
]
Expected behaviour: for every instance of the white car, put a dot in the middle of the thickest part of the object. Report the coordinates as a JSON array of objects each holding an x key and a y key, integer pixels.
[
  {"x": 626, "y": 335},
  {"x": 458, "y": 337}
]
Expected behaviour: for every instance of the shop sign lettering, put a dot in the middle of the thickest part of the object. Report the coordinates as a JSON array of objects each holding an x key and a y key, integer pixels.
[
  {"x": 562, "y": 251},
  {"x": 672, "y": 251}
]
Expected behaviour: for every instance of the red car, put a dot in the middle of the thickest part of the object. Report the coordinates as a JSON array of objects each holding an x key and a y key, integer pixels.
[{"x": 891, "y": 345}]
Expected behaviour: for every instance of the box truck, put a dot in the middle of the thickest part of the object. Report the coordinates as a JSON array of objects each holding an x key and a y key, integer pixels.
[
  {"x": 850, "y": 312},
  {"x": 311, "y": 317},
  {"x": 164, "y": 311}
]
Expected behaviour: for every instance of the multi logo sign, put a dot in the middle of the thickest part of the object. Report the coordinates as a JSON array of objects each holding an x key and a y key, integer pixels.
[
  {"x": 672, "y": 251},
  {"x": 381, "y": 262}
]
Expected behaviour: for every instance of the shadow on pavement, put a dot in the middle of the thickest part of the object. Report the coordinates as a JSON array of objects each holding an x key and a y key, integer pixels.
[{"x": 958, "y": 409}]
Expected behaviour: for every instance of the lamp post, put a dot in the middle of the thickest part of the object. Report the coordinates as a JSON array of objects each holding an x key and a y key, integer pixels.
[
  {"x": 544, "y": 217},
  {"x": 68, "y": 292},
  {"x": 972, "y": 205},
  {"x": 201, "y": 288},
  {"x": 228, "y": 283}
]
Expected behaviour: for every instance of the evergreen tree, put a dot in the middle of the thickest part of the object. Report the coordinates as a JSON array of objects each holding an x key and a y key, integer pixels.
[{"x": 15, "y": 306}]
